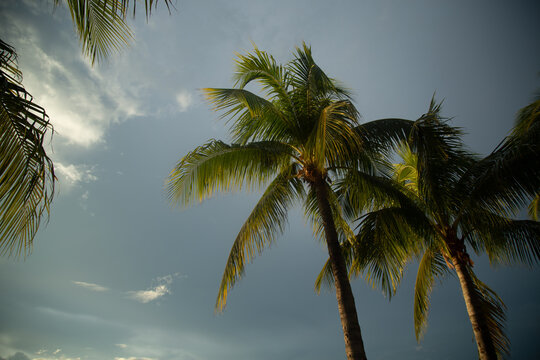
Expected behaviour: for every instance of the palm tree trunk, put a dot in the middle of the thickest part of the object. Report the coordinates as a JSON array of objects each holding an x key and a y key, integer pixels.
[
  {"x": 486, "y": 348},
  {"x": 354, "y": 345}
]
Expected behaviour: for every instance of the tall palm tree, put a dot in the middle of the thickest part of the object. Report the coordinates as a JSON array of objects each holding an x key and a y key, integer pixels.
[
  {"x": 450, "y": 201},
  {"x": 298, "y": 138},
  {"x": 26, "y": 172}
]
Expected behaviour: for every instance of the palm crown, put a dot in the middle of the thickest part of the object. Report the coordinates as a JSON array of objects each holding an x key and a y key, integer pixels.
[
  {"x": 299, "y": 138},
  {"x": 451, "y": 200}
]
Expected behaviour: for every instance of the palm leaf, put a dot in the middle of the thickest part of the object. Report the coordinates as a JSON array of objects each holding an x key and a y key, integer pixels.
[
  {"x": 432, "y": 266},
  {"x": 217, "y": 166},
  {"x": 260, "y": 229},
  {"x": 26, "y": 172}
]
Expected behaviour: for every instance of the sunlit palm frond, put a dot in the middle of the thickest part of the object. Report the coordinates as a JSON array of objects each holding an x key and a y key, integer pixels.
[
  {"x": 311, "y": 80},
  {"x": 26, "y": 172},
  {"x": 260, "y": 229},
  {"x": 431, "y": 267},
  {"x": 326, "y": 276},
  {"x": 261, "y": 67},
  {"x": 254, "y": 118},
  {"x": 333, "y": 139},
  {"x": 217, "y": 166}
]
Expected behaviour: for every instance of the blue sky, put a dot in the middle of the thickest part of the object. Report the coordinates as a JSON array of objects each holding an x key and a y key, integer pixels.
[{"x": 119, "y": 274}]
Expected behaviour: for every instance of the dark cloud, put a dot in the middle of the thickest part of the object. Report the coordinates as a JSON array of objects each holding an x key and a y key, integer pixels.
[{"x": 17, "y": 356}]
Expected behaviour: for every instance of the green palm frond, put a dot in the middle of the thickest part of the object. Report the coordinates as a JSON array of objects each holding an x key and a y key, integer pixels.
[
  {"x": 384, "y": 244},
  {"x": 267, "y": 220},
  {"x": 493, "y": 311},
  {"x": 217, "y": 166},
  {"x": 101, "y": 24},
  {"x": 254, "y": 118},
  {"x": 527, "y": 121},
  {"x": 26, "y": 172},
  {"x": 326, "y": 276},
  {"x": 261, "y": 67},
  {"x": 310, "y": 80},
  {"x": 507, "y": 241},
  {"x": 432, "y": 266},
  {"x": 333, "y": 138}
]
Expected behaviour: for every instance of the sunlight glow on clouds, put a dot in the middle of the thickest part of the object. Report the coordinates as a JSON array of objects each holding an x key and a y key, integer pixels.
[
  {"x": 74, "y": 174},
  {"x": 90, "y": 286}
]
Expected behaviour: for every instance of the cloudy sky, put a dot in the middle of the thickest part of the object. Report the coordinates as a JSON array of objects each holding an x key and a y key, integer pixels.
[{"x": 119, "y": 274}]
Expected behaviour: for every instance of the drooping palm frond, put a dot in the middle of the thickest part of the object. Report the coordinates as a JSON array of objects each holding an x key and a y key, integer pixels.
[
  {"x": 506, "y": 241},
  {"x": 217, "y": 166},
  {"x": 261, "y": 227},
  {"x": 432, "y": 266},
  {"x": 493, "y": 311},
  {"x": 101, "y": 24},
  {"x": 26, "y": 172},
  {"x": 383, "y": 135}
]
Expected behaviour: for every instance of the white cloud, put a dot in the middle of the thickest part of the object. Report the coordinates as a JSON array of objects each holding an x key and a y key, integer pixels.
[
  {"x": 82, "y": 102},
  {"x": 161, "y": 289},
  {"x": 184, "y": 100},
  {"x": 56, "y": 351},
  {"x": 133, "y": 358},
  {"x": 75, "y": 174},
  {"x": 122, "y": 346},
  {"x": 90, "y": 286}
]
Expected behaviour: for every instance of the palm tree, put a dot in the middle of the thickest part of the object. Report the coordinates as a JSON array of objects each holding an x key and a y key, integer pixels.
[
  {"x": 26, "y": 172},
  {"x": 298, "y": 138},
  {"x": 450, "y": 200},
  {"x": 101, "y": 24}
]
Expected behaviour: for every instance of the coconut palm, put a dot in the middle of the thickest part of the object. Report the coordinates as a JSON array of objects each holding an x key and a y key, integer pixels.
[
  {"x": 26, "y": 172},
  {"x": 101, "y": 24},
  {"x": 451, "y": 203},
  {"x": 297, "y": 138}
]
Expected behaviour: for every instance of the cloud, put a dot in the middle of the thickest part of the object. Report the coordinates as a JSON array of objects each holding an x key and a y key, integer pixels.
[
  {"x": 56, "y": 351},
  {"x": 133, "y": 358},
  {"x": 184, "y": 100},
  {"x": 81, "y": 101},
  {"x": 18, "y": 356},
  {"x": 161, "y": 289},
  {"x": 90, "y": 286},
  {"x": 75, "y": 174},
  {"x": 122, "y": 346}
]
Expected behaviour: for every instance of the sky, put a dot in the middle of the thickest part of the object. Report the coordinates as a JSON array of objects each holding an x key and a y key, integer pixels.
[{"x": 119, "y": 274}]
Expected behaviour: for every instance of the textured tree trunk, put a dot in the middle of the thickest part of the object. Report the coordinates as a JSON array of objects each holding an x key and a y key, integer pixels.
[
  {"x": 486, "y": 348},
  {"x": 354, "y": 345}
]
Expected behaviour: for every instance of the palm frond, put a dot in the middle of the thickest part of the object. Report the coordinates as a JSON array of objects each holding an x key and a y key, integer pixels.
[
  {"x": 533, "y": 207},
  {"x": 267, "y": 220},
  {"x": 333, "y": 139},
  {"x": 254, "y": 118},
  {"x": 384, "y": 244},
  {"x": 26, "y": 172},
  {"x": 493, "y": 311},
  {"x": 432, "y": 266},
  {"x": 217, "y": 166},
  {"x": 383, "y": 135}
]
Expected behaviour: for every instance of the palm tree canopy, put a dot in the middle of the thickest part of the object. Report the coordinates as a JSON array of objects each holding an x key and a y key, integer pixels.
[
  {"x": 302, "y": 127},
  {"x": 26, "y": 172}
]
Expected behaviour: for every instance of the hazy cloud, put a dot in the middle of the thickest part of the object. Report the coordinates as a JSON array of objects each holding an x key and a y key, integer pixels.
[
  {"x": 75, "y": 174},
  {"x": 184, "y": 100},
  {"x": 161, "y": 288},
  {"x": 90, "y": 286},
  {"x": 133, "y": 358},
  {"x": 122, "y": 346}
]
